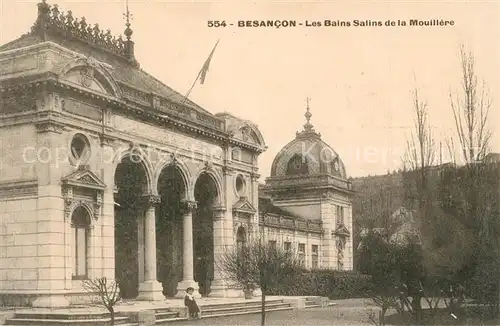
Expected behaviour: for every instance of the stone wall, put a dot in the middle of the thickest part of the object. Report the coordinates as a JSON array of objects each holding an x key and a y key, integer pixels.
[{"x": 19, "y": 229}]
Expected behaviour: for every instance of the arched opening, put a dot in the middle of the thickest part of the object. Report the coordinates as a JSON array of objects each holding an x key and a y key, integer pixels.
[
  {"x": 169, "y": 235},
  {"x": 241, "y": 240},
  {"x": 297, "y": 165},
  {"x": 205, "y": 194},
  {"x": 80, "y": 227},
  {"x": 131, "y": 182}
]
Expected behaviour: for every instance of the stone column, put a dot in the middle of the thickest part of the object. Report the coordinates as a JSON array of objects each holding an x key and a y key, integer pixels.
[
  {"x": 140, "y": 247},
  {"x": 187, "y": 252},
  {"x": 150, "y": 289},
  {"x": 219, "y": 286}
]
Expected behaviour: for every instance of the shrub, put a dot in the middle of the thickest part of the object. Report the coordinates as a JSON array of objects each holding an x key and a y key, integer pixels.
[{"x": 327, "y": 283}]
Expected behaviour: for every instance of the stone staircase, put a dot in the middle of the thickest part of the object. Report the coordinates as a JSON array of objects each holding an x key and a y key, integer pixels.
[
  {"x": 164, "y": 316},
  {"x": 312, "y": 302},
  {"x": 160, "y": 315},
  {"x": 67, "y": 318}
]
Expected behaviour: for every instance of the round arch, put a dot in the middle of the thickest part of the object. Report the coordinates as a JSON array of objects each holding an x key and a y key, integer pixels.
[
  {"x": 180, "y": 167},
  {"x": 87, "y": 208},
  {"x": 144, "y": 162},
  {"x": 215, "y": 177},
  {"x": 241, "y": 234}
]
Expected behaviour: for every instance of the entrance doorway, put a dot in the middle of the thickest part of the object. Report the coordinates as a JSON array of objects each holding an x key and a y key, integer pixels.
[
  {"x": 171, "y": 188},
  {"x": 206, "y": 194},
  {"x": 131, "y": 181}
]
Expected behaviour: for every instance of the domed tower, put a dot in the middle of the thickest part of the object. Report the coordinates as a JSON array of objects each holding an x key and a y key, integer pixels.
[{"x": 308, "y": 180}]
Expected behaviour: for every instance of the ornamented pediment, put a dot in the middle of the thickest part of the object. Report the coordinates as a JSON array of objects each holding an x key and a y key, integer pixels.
[
  {"x": 342, "y": 231},
  {"x": 84, "y": 178},
  {"x": 243, "y": 208},
  {"x": 91, "y": 74},
  {"x": 82, "y": 188}
]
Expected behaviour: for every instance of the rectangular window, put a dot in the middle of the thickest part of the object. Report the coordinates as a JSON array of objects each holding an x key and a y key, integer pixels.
[
  {"x": 314, "y": 256},
  {"x": 302, "y": 254},
  {"x": 272, "y": 244},
  {"x": 340, "y": 215},
  {"x": 288, "y": 246},
  {"x": 80, "y": 254}
]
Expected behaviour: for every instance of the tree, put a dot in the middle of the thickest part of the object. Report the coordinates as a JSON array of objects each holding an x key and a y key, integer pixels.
[
  {"x": 258, "y": 265},
  {"x": 419, "y": 157},
  {"x": 103, "y": 293},
  {"x": 470, "y": 111},
  {"x": 396, "y": 272}
]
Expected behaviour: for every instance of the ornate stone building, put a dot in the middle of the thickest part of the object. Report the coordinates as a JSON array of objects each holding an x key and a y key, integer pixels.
[
  {"x": 106, "y": 171},
  {"x": 306, "y": 203}
]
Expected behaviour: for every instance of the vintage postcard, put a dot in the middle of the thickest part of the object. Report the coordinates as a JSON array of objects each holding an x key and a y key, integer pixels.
[{"x": 234, "y": 162}]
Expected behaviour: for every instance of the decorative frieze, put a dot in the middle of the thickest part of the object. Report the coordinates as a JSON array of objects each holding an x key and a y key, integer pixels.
[
  {"x": 82, "y": 109},
  {"x": 319, "y": 180},
  {"x": 282, "y": 222},
  {"x": 18, "y": 189},
  {"x": 19, "y": 100},
  {"x": 49, "y": 126}
]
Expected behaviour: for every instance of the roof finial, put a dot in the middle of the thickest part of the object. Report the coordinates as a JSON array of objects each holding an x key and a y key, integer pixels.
[
  {"x": 308, "y": 126},
  {"x": 129, "y": 44},
  {"x": 128, "y": 17}
]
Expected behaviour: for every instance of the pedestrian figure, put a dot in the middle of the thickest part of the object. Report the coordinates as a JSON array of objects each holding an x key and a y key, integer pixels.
[{"x": 189, "y": 301}]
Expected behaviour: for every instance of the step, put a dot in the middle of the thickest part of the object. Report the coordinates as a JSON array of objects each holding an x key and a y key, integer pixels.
[
  {"x": 38, "y": 324},
  {"x": 168, "y": 320},
  {"x": 166, "y": 315},
  {"x": 239, "y": 304},
  {"x": 243, "y": 309},
  {"x": 312, "y": 304},
  {"x": 254, "y": 311},
  {"x": 62, "y": 316},
  {"x": 77, "y": 322}
]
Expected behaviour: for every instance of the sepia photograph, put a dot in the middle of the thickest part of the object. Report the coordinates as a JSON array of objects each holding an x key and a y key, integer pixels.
[{"x": 249, "y": 162}]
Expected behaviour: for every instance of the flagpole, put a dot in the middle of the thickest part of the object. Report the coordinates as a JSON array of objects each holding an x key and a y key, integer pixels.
[
  {"x": 199, "y": 73},
  {"x": 192, "y": 86}
]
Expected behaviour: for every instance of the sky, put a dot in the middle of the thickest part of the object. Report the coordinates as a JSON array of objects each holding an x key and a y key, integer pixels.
[{"x": 359, "y": 79}]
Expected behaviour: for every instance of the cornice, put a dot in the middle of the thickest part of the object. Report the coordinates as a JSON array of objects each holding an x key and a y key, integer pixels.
[{"x": 159, "y": 118}]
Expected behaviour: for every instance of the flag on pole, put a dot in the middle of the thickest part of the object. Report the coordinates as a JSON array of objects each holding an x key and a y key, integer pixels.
[
  {"x": 203, "y": 72},
  {"x": 206, "y": 65}
]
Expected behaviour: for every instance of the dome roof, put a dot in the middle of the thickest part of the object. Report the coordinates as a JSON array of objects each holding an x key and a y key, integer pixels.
[{"x": 307, "y": 154}]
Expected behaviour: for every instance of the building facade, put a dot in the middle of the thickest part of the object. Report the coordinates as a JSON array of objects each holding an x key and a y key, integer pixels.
[
  {"x": 306, "y": 203},
  {"x": 107, "y": 172}
]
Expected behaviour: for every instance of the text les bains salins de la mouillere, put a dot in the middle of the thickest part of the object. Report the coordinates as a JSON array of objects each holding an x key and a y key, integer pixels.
[{"x": 334, "y": 23}]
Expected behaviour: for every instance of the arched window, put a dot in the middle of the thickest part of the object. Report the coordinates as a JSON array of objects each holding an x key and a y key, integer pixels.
[
  {"x": 80, "y": 225},
  {"x": 297, "y": 165},
  {"x": 241, "y": 241}
]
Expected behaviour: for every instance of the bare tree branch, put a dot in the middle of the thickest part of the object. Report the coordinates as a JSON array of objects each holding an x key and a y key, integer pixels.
[
  {"x": 471, "y": 112},
  {"x": 257, "y": 265},
  {"x": 103, "y": 293}
]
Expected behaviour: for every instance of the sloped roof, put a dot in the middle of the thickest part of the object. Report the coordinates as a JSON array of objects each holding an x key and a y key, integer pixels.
[
  {"x": 266, "y": 206},
  {"x": 124, "y": 71}
]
